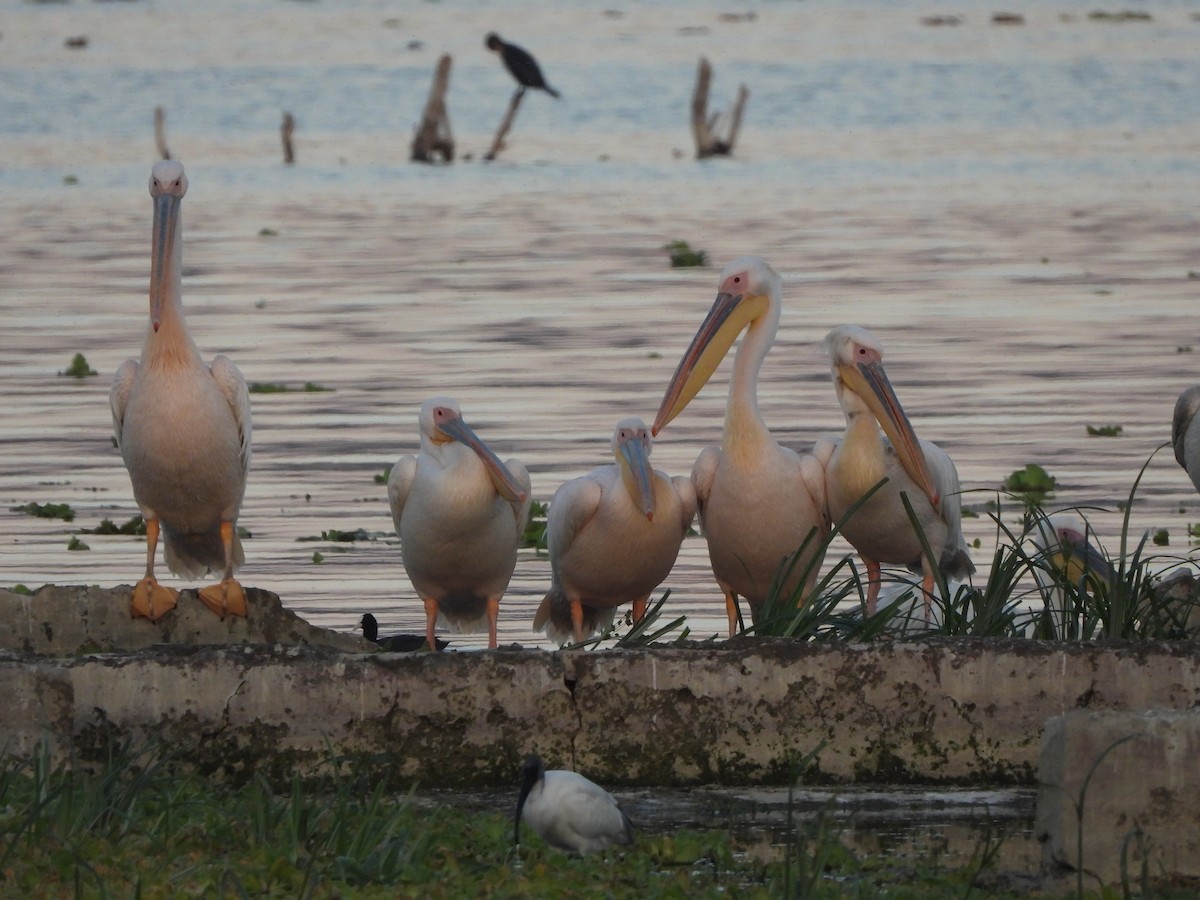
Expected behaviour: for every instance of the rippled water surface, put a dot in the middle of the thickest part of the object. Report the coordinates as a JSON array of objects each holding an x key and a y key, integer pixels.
[{"x": 1012, "y": 209}]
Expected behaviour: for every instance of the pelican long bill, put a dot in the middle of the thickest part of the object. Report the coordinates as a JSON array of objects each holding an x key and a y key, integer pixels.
[
  {"x": 730, "y": 314},
  {"x": 634, "y": 460},
  {"x": 163, "y": 255},
  {"x": 504, "y": 480},
  {"x": 870, "y": 382}
]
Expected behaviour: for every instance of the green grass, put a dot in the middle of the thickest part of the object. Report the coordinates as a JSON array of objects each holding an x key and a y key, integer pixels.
[
  {"x": 139, "y": 823},
  {"x": 535, "y": 529}
]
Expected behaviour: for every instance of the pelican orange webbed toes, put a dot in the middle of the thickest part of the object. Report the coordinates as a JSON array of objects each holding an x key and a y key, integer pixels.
[
  {"x": 759, "y": 502},
  {"x": 459, "y": 513},
  {"x": 880, "y": 528},
  {"x": 568, "y": 811},
  {"x": 183, "y": 429},
  {"x": 613, "y": 536}
]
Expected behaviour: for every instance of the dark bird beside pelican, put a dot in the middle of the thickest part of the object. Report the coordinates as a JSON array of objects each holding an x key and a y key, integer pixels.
[
  {"x": 613, "y": 536},
  {"x": 520, "y": 64},
  {"x": 758, "y": 501},
  {"x": 459, "y": 513},
  {"x": 880, "y": 528},
  {"x": 183, "y": 429},
  {"x": 394, "y": 643},
  {"x": 568, "y": 811}
]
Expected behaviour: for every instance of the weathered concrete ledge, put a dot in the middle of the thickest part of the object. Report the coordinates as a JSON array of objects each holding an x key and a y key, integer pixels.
[
  {"x": 1134, "y": 778},
  {"x": 743, "y": 712}
]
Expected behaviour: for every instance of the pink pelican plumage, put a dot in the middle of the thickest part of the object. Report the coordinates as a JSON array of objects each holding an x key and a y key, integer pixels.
[
  {"x": 459, "y": 513},
  {"x": 758, "y": 501},
  {"x": 613, "y": 537},
  {"x": 880, "y": 529},
  {"x": 183, "y": 429}
]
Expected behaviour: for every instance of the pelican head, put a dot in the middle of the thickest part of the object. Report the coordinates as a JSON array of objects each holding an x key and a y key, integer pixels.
[
  {"x": 748, "y": 290},
  {"x": 441, "y": 423},
  {"x": 1063, "y": 541},
  {"x": 168, "y": 184},
  {"x": 631, "y": 447},
  {"x": 862, "y": 386}
]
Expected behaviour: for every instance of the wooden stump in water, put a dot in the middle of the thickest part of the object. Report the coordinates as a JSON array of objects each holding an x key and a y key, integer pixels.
[
  {"x": 433, "y": 137},
  {"x": 707, "y": 142},
  {"x": 286, "y": 130},
  {"x": 498, "y": 141},
  {"x": 160, "y": 132}
]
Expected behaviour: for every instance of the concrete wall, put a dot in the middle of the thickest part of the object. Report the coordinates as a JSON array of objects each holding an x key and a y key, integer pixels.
[
  {"x": 741, "y": 712},
  {"x": 1134, "y": 779}
]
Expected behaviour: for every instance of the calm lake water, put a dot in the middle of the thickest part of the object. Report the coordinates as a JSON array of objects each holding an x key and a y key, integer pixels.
[{"x": 1011, "y": 208}]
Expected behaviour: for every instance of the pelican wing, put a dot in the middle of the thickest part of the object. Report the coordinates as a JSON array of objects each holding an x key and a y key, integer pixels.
[
  {"x": 572, "y": 507},
  {"x": 118, "y": 396},
  {"x": 1186, "y": 408},
  {"x": 400, "y": 483},
  {"x": 521, "y": 510},
  {"x": 812, "y": 473},
  {"x": 704, "y": 471},
  {"x": 955, "y": 558},
  {"x": 233, "y": 386},
  {"x": 687, "y": 499}
]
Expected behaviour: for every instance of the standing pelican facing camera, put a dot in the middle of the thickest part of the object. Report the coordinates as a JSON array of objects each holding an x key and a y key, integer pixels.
[
  {"x": 183, "y": 429},
  {"x": 459, "y": 513}
]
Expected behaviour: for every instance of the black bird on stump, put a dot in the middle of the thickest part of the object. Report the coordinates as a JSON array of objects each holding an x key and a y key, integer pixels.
[{"x": 520, "y": 63}]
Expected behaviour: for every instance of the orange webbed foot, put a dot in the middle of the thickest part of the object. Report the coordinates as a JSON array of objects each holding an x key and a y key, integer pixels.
[
  {"x": 151, "y": 600},
  {"x": 226, "y": 598}
]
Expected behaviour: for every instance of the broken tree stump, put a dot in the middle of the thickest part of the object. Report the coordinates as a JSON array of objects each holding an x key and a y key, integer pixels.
[
  {"x": 285, "y": 131},
  {"x": 498, "y": 141},
  {"x": 708, "y": 143},
  {"x": 433, "y": 137},
  {"x": 160, "y": 132}
]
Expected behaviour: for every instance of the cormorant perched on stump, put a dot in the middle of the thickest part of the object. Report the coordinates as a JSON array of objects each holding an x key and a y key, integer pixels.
[{"x": 520, "y": 63}]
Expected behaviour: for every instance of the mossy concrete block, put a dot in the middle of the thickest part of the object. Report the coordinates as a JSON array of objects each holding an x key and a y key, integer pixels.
[
  {"x": 1135, "y": 779},
  {"x": 275, "y": 695},
  {"x": 427, "y": 719},
  {"x": 944, "y": 710},
  {"x": 63, "y": 620}
]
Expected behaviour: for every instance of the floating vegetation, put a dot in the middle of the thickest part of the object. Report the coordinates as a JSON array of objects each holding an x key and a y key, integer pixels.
[
  {"x": 382, "y": 477},
  {"x": 76, "y": 544},
  {"x": 317, "y": 558},
  {"x": 267, "y": 232},
  {"x": 1032, "y": 481},
  {"x": 134, "y": 526},
  {"x": 244, "y": 533},
  {"x": 1104, "y": 430},
  {"x": 1162, "y": 537},
  {"x": 1125, "y": 15},
  {"x": 343, "y": 537},
  {"x": 683, "y": 256},
  {"x": 70, "y": 179},
  {"x": 47, "y": 511},
  {"x": 78, "y": 368},
  {"x": 275, "y": 387}
]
